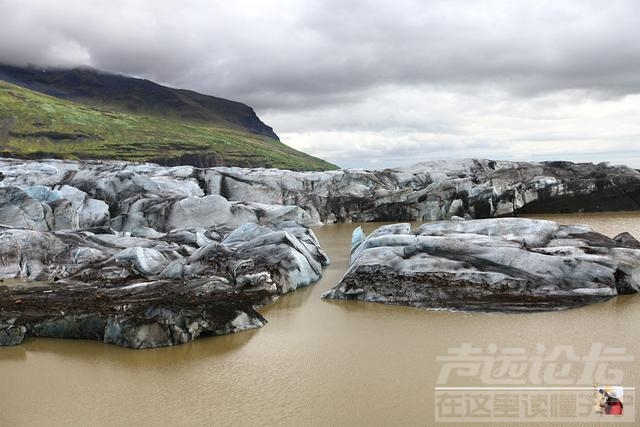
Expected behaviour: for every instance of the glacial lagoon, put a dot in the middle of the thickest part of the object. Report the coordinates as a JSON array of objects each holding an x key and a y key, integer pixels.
[{"x": 315, "y": 362}]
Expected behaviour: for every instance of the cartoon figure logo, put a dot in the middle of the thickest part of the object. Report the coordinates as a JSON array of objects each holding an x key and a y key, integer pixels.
[{"x": 609, "y": 400}]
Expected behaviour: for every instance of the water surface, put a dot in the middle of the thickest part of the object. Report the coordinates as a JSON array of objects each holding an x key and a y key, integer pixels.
[{"x": 315, "y": 362}]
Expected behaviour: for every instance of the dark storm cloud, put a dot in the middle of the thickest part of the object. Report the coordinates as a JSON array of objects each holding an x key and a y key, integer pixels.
[{"x": 305, "y": 53}]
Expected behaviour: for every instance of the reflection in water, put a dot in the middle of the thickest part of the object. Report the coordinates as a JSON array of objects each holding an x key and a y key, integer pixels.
[
  {"x": 290, "y": 301},
  {"x": 92, "y": 351},
  {"x": 17, "y": 352},
  {"x": 316, "y": 361}
]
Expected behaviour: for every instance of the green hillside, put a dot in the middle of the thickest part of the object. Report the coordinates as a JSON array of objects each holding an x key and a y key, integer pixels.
[
  {"x": 34, "y": 125},
  {"x": 126, "y": 94}
]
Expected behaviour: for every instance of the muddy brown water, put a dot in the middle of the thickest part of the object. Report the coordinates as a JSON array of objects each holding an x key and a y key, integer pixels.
[{"x": 316, "y": 361}]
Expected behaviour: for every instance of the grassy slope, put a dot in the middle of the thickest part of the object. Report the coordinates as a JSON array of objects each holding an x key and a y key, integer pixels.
[
  {"x": 132, "y": 95},
  {"x": 34, "y": 125}
]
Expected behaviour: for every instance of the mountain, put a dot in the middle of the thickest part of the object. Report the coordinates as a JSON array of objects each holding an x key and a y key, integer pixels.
[
  {"x": 87, "y": 114},
  {"x": 136, "y": 96},
  {"x": 34, "y": 126}
]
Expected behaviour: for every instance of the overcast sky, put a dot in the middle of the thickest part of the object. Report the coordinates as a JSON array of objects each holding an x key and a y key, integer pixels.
[{"x": 374, "y": 83}]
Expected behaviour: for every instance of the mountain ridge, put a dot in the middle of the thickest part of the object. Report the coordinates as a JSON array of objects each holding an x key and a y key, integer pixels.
[
  {"x": 34, "y": 125},
  {"x": 135, "y": 95}
]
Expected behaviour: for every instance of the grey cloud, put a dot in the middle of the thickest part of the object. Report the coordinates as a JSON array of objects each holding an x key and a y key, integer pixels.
[
  {"x": 430, "y": 77},
  {"x": 319, "y": 52}
]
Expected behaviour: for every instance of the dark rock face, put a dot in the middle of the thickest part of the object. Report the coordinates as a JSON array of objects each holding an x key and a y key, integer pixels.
[
  {"x": 507, "y": 264},
  {"x": 153, "y": 314},
  {"x": 204, "y": 161},
  {"x": 627, "y": 240},
  {"x": 586, "y": 187}
]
